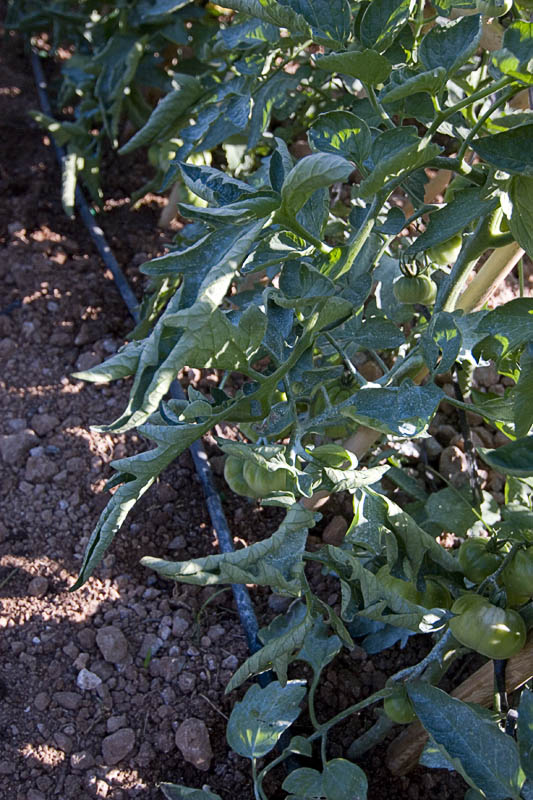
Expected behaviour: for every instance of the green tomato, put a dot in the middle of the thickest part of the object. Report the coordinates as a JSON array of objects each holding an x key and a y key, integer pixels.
[
  {"x": 233, "y": 473},
  {"x": 336, "y": 393},
  {"x": 263, "y": 482},
  {"x": 434, "y": 595},
  {"x": 475, "y": 561},
  {"x": 517, "y": 577},
  {"x": 416, "y": 289},
  {"x": 399, "y": 708},
  {"x": 332, "y": 455},
  {"x": 492, "y": 631},
  {"x": 446, "y": 252},
  {"x": 494, "y": 8}
]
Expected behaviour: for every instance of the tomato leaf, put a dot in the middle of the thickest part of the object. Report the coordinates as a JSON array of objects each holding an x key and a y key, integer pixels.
[
  {"x": 311, "y": 173},
  {"x": 383, "y": 21},
  {"x": 511, "y": 151},
  {"x": 520, "y": 200},
  {"x": 343, "y": 780},
  {"x": 525, "y": 732},
  {"x": 485, "y": 756},
  {"x": 515, "y": 458},
  {"x": 514, "y": 59},
  {"x": 451, "y": 45},
  {"x": 341, "y": 133},
  {"x": 259, "y": 719},
  {"x": 366, "y": 65}
]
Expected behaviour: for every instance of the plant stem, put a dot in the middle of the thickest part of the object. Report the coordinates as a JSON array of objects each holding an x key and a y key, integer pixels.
[
  {"x": 435, "y": 653},
  {"x": 360, "y": 381},
  {"x": 378, "y": 108},
  {"x": 355, "y": 247},
  {"x": 498, "y": 265},
  {"x": 484, "y": 117},
  {"x": 493, "y": 577},
  {"x": 370, "y": 738}
]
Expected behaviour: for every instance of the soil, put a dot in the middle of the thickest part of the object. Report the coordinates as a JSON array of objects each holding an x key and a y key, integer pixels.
[{"x": 64, "y": 693}]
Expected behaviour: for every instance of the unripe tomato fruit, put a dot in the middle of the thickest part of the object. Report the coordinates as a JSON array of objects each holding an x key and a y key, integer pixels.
[
  {"x": 434, "y": 596},
  {"x": 233, "y": 473},
  {"x": 262, "y": 481},
  {"x": 446, "y": 252},
  {"x": 517, "y": 576},
  {"x": 416, "y": 289},
  {"x": 331, "y": 455},
  {"x": 337, "y": 393},
  {"x": 475, "y": 561},
  {"x": 494, "y": 8},
  {"x": 492, "y": 631},
  {"x": 399, "y": 708}
]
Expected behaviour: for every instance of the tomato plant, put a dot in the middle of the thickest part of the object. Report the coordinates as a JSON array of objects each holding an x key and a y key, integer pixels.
[
  {"x": 289, "y": 281},
  {"x": 399, "y": 708}
]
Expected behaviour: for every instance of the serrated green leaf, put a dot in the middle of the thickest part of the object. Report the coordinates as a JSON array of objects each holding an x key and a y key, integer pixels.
[
  {"x": 366, "y": 65},
  {"x": 441, "y": 343},
  {"x": 275, "y": 562},
  {"x": 311, "y": 173},
  {"x": 343, "y": 780},
  {"x": 515, "y": 458},
  {"x": 174, "y": 791},
  {"x": 341, "y": 132},
  {"x": 305, "y": 782},
  {"x": 511, "y": 325},
  {"x": 523, "y": 394},
  {"x": 452, "y": 218},
  {"x": 430, "y": 81},
  {"x": 383, "y": 21},
  {"x": 511, "y": 151},
  {"x": 319, "y": 647},
  {"x": 521, "y": 219},
  {"x": 450, "y": 46},
  {"x": 120, "y": 365},
  {"x": 213, "y": 185},
  {"x": 259, "y": 719},
  {"x": 273, "y": 12},
  {"x": 514, "y": 59},
  {"x": 525, "y": 732},
  {"x": 168, "y": 113},
  {"x": 395, "y": 154},
  {"x": 330, "y": 20},
  {"x": 487, "y": 757}
]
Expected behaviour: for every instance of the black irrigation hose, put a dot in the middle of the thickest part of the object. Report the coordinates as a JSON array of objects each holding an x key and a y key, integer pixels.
[{"x": 199, "y": 456}]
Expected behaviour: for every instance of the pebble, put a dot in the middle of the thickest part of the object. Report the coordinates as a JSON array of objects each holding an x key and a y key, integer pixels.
[
  {"x": 187, "y": 682},
  {"x": 63, "y": 741},
  {"x": 38, "y": 586},
  {"x": 192, "y": 739},
  {"x": 87, "y": 680},
  {"x": 86, "y": 361},
  {"x": 40, "y": 469},
  {"x": 44, "y": 423},
  {"x": 177, "y": 543},
  {"x": 179, "y": 625},
  {"x": 433, "y": 447},
  {"x": 335, "y": 531},
  {"x": 453, "y": 465},
  {"x": 150, "y": 645},
  {"x": 112, "y": 644},
  {"x": 278, "y": 603},
  {"x": 6, "y": 767},
  {"x": 35, "y": 794},
  {"x": 230, "y": 662},
  {"x": 486, "y": 376},
  {"x": 82, "y": 760},
  {"x": 41, "y": 701},
  {"x": 117, "y": 745},
  {"x": 115, "y": 723},
  {"x": 15, "y": 446},
  {"x": 68, "y": 700}
]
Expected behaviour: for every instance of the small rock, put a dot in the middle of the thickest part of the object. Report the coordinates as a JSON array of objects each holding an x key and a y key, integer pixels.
[
  {"x": 35, "y": 794},
  {"x": 433, "y": 447},
  {"x": 114, "y": 723},
  {"x": 335, "y": 531},
  {"x": 44, "y": 423},
  {"x": 63, "y": 741},
  {"x": 150, "y": 645},
  {"x": 81, "y": 760},
  {"x": 39, "y": 469},
  {"x": 192, "y": 739},
  {"x": 117, "y": 745},
  {"x": 7, "y": 767},
  {"x": 230, "y": 662},
  {"x": 68, "y": 700},
  {"x": 3, "y": 532},
  {"x": 15, "y": 446},
  {"x": 112, "y": 644},
  {"x": 86, "y": 638},
  {"x": 177, "y": 543},
  {"x": 445, "y": 434},
  {"x": 216, "y": 632},
  {"x": 486, "y": 376},
  {"x": 453, "y": 465},
  {"x": 41, "y": 701},
  {"x": 15, "y": 227},
  {"x": 179, "y": 625},
  {"x": 187, "y": 682},
  {"x": 86, "y": 361},
  {"x": 38, "y": 586},
  {"x": 87, "y": 680},
  {"x": 145, "y": 755}
]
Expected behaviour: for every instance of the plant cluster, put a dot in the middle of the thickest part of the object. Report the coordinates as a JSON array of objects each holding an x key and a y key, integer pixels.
[{"x": 414, "y": 200}]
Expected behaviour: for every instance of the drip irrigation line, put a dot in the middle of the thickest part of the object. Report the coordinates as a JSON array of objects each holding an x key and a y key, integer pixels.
[{"x": 199, "y": 456}]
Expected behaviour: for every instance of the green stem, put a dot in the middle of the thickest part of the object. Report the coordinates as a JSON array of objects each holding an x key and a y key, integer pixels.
[
  {"x": 434, "y": 654},
  {"x": 493, "y": 577},
  {"x": 484, "y": 117},
  {"x": 292, "y": 223},
  {"x": 258, "y": 789},
  {"x": 349, "y": 366},
  {"x": 378, "y": 108},
  {"x": 370, "y": 738},
  {"x": 355, "y": 247}
]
